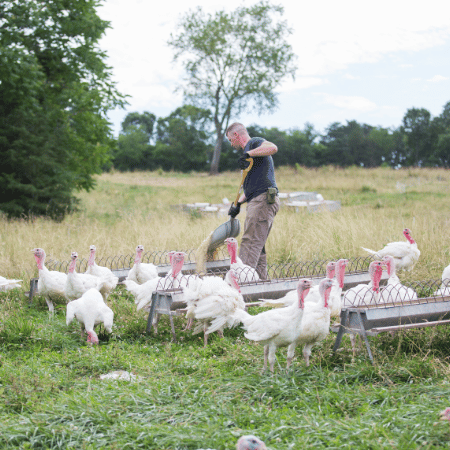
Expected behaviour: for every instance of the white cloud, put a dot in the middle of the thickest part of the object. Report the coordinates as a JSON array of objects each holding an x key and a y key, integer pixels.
[
  {"x": 438, "y": 78},
  {"x": 301, "y": 83},
  {"x": 353, "y": 103},
  {"x": 330, "y": 39},
  {"x": 349, "y": 76},
  {"x": 329, "y": 36}
]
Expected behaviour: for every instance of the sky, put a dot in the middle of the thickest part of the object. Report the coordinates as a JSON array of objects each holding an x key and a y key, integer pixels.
[{"x": 357, "y": 60}]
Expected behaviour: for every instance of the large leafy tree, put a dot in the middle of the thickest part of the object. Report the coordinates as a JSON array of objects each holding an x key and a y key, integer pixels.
[
  {"x": 357, "y": 144},
  {"x": 134, "y": 150},
  {"x": 183, "y": 139},
  {"x": 56, "y": 90},
  {"x": 233, "y": 62},
  {"x": 416, "y": 129},
  {"x": 440, "y": 132}
]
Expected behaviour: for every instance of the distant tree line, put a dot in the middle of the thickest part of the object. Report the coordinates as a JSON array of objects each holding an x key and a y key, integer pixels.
[{"x": 184, "y": 141}]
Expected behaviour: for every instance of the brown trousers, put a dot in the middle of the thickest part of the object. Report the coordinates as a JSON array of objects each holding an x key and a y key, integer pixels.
[{"x": 258, "y": 224}]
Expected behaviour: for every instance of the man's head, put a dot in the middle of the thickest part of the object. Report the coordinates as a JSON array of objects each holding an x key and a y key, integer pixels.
[{"x": 237, "y": 135}]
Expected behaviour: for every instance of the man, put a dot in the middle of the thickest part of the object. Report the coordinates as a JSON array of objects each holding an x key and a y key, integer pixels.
[{"x": 260, "y": 193}]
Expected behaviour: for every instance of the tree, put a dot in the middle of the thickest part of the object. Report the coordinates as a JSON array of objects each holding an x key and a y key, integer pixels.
[
  {"x": 297, "y": 146},
  {"x": 55, "y": 92},
  {"x": 416, "y": 128},
  {"x": 233, "y": 61},
  {"x": 145, "y": 122},
  {"x": 183, "y": 139},
  {"x": 440, "y": 138},
  {"x": 134, "y": 151},
  {"x": 357, "y": 144}
]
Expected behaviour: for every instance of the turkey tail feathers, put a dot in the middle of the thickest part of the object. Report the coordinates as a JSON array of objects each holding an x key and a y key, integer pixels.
[{"x": 370, "y": 251}]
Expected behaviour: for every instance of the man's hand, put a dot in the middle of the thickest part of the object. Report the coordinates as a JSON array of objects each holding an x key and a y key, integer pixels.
[
  {"x": 242, "y": 163},
  {"x": 234, "y": 210}
]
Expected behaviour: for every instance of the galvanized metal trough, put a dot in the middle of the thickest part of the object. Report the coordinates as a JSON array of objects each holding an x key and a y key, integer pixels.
[
  {"x": 395, "y": 312},
  {"x": 169, "y": 301}
]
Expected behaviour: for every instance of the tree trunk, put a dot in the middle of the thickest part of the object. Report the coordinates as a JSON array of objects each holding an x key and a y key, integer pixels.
[{"x": 214, "y": 170}]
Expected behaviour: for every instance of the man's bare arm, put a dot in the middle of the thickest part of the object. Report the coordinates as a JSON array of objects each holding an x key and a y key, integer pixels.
[{"x": 265, "y": 149}]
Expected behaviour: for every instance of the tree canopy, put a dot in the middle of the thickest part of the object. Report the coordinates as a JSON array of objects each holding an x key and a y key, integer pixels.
[
  {"x": 55, "y": 92},
  {"x": 233, "y": 61},
  {"x": 182, "y": 141}
]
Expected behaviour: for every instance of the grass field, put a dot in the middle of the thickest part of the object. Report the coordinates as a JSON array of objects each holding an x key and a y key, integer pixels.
[{"x": 189, "y": 397}]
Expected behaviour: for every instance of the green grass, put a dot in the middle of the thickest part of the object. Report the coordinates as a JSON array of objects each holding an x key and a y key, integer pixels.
[{"x": 191, "y": 397}]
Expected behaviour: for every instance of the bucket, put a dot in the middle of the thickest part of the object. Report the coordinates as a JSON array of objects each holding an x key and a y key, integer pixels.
[{"x": 228, "y": 229}]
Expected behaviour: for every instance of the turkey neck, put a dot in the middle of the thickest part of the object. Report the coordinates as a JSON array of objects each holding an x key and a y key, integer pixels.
[
  {"x": 177, "y": 264},
  {"x": 331, "y": 268},
  {"x": 302, "y": 293},
  {"x": 232, "y": 250},
  {"x": 91, "y": 261},
  {"x": 341, "y": 274},
  {"x": 325, "y": 294},
  {"x": 390, "y": 267},
  {"x": 39, "y": 262},
  {"x": 409, "y": 237},
  {"x": 72, "y": 265},
  {"x": 138, "y": 258},
  {"x": 376, "y": 279}
]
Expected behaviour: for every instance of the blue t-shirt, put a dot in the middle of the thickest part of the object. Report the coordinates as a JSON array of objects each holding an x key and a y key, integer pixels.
[{"x": 262, "y": 175}]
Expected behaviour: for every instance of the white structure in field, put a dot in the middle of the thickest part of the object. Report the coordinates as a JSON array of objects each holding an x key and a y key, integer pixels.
[
  {"x": 301, "y": 201},
  {"x": 309, "y": 201}
]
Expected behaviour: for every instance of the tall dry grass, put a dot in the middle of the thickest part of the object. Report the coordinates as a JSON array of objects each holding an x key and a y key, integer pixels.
[{"x": 127, "y": 209}]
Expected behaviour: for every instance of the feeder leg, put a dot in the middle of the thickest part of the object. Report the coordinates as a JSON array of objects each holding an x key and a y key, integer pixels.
[
  {"x": 364, "y": 335},
  {"x": 172, "y": 326},
  {"x": 155, "y": 322},
  {"x": 33, "y": 283},
  {"x": 341, "y": 332}
]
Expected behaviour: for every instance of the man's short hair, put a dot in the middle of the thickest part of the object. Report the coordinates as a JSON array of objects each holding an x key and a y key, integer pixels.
[{"x": 236, "y": 126}]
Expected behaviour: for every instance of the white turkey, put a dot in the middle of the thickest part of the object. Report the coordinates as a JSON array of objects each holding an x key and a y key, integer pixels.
[
  {"x": 51, "y": 283},
  {"x": 251, "y": 442},
  {"x": 315, "y": 324},
  {"x": 142, "y": 272},
  {"x": 292, "y": 296},
  {"x": 444, "y": 290},
  {"x": 404, "y": 253},
  {"x": 394, "y": 291},
  {"x": 109, "y": 279},
  {"x": 335, "y": 298},
  {"x": 78, "y": 283},
  {"x": 364, "y": 294},
  {"x": 244, "y": 272},
  {"x": 90, "y": 310},
  {"x": 279, "y": 327},
  {"x": 143, "y": 292},
  {"x": 8, "y": 284},
  {"x": 213, "y": 303},
  {"x": 446, "y": 276}
]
